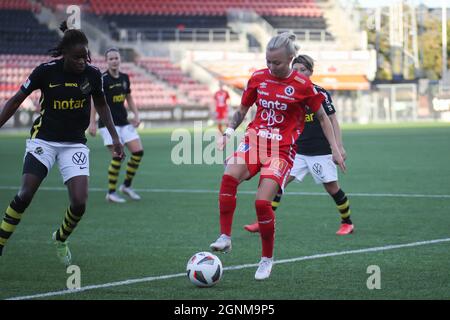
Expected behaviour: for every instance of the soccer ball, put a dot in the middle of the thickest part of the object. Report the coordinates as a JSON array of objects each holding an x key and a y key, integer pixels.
[{"x": 204, "y": 269}]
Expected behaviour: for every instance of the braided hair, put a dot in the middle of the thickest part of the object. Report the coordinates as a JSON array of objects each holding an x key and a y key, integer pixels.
[{"x": 72, "y": 37}]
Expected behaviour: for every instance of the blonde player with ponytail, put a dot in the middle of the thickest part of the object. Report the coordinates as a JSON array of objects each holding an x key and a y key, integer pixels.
[{"x": 281, "y": 96}]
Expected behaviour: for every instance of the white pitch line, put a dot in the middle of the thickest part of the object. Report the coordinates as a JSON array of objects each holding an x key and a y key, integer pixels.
[
  {"x": 243, "y": 266},
  {"x": 292, "y": 193}
]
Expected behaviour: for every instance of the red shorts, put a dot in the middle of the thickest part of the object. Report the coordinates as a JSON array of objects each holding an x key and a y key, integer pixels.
[
  {"x": 221, "y": 114},
  {"x": 275, "y": 165}
]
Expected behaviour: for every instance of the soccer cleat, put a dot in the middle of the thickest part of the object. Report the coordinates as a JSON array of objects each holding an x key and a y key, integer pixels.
[
  {"x": 222, "y": 244},
  {"x": 345, "y": 229},
  {"x": 264, "y": 269},
  {"x": 62, "y": 251},
  {"x": 254, "y": 227},
  {"x": 129, "y": 192},
  {"x": 114, "y": 197}
]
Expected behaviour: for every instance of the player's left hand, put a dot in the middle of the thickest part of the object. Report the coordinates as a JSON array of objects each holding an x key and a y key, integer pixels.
[
  {"x": 343, "y": 153},
  {"x": 117, "y": 150},
  {"x": 339, "y": 160},
  {"x": 135, "y": 122},
  {"x": 221, "y": 142}
]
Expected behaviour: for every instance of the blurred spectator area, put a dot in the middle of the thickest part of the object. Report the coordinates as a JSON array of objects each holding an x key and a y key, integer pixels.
[
  {"x": 166, "y": 85},
  {"x": 20, "y": 31},
  {"x": 162, "y": 68},
  {"x": 153, "y": 20}
]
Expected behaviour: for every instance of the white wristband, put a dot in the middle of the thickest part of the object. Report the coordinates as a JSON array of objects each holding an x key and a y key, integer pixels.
[{"x": 229, "y": 132}]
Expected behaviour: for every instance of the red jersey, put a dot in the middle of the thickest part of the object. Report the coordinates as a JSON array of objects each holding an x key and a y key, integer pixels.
[
  {"x": 221, "y": 98},
  {"x": 281, "y": 105}
]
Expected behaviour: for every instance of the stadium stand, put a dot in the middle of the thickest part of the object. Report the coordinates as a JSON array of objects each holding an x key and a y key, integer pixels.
[
  {"x": 19, "y": 5},
  {"x": 156, "y": 81},
  {"x": 189, "y": 88},
  {"x": 206, "y": 8},
  {"x": 146, "y": 93},
  {"x": 154, "y": 19},
  {"x": 14, "y": 70},
  {"x": 21, "y": 33},
  {"x": 62, "y": 4}
]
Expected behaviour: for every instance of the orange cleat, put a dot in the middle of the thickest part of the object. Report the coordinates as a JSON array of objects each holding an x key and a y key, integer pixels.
[
  {"x": 254, "y": 227},
  {"x": 345, "y": 229}
]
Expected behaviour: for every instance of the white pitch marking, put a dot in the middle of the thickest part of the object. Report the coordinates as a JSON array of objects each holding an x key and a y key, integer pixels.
[
  {"x": 292, "y": 193},
  {"x": 243, "y": 266}
]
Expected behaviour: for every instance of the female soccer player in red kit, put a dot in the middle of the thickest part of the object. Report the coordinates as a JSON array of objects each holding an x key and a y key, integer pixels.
[
  {"x": 221, "y": 114},
  {"x": 282, "y": 96}
]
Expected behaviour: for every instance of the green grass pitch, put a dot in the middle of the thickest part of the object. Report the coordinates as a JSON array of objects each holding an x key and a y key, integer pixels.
[{"x": 398, "y": 182}]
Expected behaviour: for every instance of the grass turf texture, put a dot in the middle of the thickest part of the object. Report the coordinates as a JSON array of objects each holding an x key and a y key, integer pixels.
[{"x": 157, "y": 235}]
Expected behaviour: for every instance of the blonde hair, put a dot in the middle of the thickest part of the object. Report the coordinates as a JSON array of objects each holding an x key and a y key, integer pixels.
[{"x": 284, "y": 40}]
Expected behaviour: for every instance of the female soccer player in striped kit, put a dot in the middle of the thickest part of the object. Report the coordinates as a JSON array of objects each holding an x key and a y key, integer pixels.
[
  {"x": 117, "y": 88},
  {"x": 57, "y": 135},
  {"x": 281, "y": 95}
]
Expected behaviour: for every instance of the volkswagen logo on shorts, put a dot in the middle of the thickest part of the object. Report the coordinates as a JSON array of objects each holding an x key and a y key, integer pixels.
[
  {"x": 79, "y": 158},
  {"x": 39, "y": 150},
  {"x": 289, "y": 90},
  {"x": 317, "y": 168}
]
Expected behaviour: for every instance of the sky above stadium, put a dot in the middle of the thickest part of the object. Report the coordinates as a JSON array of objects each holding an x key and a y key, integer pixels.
[{"x": 428, "y": 3}]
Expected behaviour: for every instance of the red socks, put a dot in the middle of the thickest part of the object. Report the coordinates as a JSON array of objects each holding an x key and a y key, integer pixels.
[
  {"x": 227, "y": 203},
  {"x": 266, "y": 217},
  {"x": 266, "y": 221}
]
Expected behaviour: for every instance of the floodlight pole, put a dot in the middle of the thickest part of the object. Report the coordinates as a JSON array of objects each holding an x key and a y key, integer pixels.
[{"x": 444, "y": 43}]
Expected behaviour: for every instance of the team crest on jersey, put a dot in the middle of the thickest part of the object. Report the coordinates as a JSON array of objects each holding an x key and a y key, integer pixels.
[
  {"x": 263, "y": 85},
  {"x": 289, "y": 90},
  {"x": 27, "y": 83},
  {"x": 39, "y": 151},
  {"x": 279, "y": 167},
  {"x": 85, "y": 87}
]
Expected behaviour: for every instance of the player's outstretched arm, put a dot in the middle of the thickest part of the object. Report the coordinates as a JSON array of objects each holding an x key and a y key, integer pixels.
[
  {"x": 136, "y": 120},
  {"x": 105, "y": 115},
  {"x": 338, "y": 135},
  {"x": 11, "y": 107},
  {"x": 238, "y": 117},
  {"x": 327, "y": 128},
  {"x": 92, "y": 123},
  {"x": 235, "y": 122}
]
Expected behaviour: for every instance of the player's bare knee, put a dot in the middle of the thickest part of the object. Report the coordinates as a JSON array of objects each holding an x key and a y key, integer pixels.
[
  {"x": 78, "y": 201},
  {"x": 331, "y": 187}
]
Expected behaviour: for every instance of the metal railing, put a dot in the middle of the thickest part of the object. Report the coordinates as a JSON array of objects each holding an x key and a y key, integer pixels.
[
  {"x": 176, "y": 35},
  {"x": 308, "y": 35}
]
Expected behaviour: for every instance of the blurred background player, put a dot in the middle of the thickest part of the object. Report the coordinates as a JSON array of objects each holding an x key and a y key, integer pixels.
[
  {"x": 58, "y": 134},
  {"x": 281, "y": 96},
  {"x": 221, "y": 115},
  {"x": 314, "y": 154},
  {"x": 116, "y": 86}
]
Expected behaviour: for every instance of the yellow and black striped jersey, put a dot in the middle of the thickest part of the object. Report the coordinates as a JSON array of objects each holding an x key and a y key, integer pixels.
[
  {"x": 65, "y": 101},
  {"x": 116, "y": 90}
]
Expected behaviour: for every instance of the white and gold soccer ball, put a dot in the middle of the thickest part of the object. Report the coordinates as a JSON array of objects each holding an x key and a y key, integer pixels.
[{"x": 204, "y": 269}]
